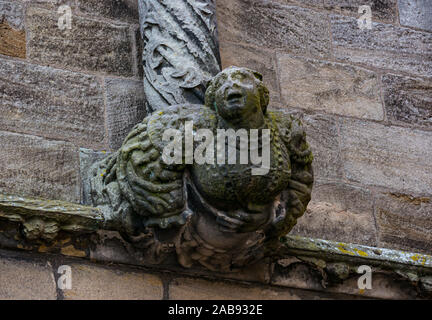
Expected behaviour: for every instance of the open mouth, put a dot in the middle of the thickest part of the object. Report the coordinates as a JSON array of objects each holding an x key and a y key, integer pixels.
[{"x": 234, "y": 97}]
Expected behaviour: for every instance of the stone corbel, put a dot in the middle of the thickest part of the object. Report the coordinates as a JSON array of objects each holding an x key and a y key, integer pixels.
[
  {"x": 299, "y": 262},
  {"x": 44, "y": 219}
]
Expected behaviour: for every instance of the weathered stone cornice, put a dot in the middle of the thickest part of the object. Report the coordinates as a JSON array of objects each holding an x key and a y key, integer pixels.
[
  {"x": 47, "y": 226},
  {"x": 45, "y": 218},
  {"x": 331, "y": 250}
]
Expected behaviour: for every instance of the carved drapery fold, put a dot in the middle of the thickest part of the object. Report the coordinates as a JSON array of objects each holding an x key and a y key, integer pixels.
[{"x": 181, "y": 51}]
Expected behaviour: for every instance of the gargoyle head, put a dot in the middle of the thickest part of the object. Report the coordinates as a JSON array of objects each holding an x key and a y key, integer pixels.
[{"x": 239, "y": 96}]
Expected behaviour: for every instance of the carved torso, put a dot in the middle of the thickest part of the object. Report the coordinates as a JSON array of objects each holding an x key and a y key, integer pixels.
[{"x": 234, "y": 186}]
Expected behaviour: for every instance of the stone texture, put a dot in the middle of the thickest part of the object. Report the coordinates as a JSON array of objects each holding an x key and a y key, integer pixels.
[
  {"x": 274, "y": 26},
  {"x": 404, "y": 222},
  {"x": 309, "y": 3},
  {"x": 330, "y": 87},
  {"x": 90, "y": 282},
  {"x": 125, "y": 108},
  {"x": 22, "y": 280},
  {"x": 408, "y": 100},
  {"x": 384, "y": 46},
  {"x": 110, "y": 247},
  {"x": 339, "y": 212},
  {"x": 12, "y": 35},
  {"x": 119, "y": 10},
  {"x": 317, "y": 274},
  {"x": 87, "y": 159},
  {"x": 383, "y": 10},
  {"x": 296, "y": 274},
  {"x": 416, "y": 13},
  {"x": 198, "y": 289},
  {"x": 384, "y": 286},
  {"x": 11, "y": 12},
  {"x": 181, "y": 52},
  {"x": 255, "y": 59},
  {"x": 51, "y": 103},
  {"x": 34, "y": 166},
  {"x": 139, "y": 46},
  {"x": 52, "y": 4},
  {"x": 59, "y": 215},
  {"x": 322, "y": 135},
  {"x": 392, "y": 157},
  {"x": 90, "y": 45},
  {"x": 12, "y": 42}
]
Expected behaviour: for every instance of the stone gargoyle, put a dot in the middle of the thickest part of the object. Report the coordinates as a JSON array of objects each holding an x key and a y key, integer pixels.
[{"x": 221, "y": 213}]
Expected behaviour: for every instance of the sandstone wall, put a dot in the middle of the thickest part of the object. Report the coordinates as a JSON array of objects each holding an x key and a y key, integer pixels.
[
  {"x": 71, "y": 276},
  {"x": 62, "y": 90},
  {"x": 365, "y": 97}
]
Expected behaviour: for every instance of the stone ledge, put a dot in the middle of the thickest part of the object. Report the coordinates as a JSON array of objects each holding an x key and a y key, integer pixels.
[
  {"x": 295, "y": 245},
  {"x": 66, "y": 216},
  {"x": 300, "y": 263}
]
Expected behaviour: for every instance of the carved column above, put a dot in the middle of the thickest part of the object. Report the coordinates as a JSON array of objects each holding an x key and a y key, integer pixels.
[{"x": 181, "y": 51}]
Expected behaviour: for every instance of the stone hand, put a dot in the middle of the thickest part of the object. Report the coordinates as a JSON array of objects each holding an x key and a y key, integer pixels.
[
  {"x": 240, "y": 221},
  {"x": 232, "y": 221}
]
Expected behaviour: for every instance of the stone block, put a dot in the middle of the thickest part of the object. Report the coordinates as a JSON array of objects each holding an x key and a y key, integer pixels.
[
  {"x": 125, "y": 108},
  {"x": 273, "y": 25},
  {"x": 199, "y": 289},
  {"x": 90, "y": 45},
  {"x": 304, "y": 273},
  {"x": 391, "y": 157},
  {"x": 384, "y": 46},
  {"x": 330, "y": 87},
  {"x": 256, "y": 59},
  {"x": 322, "y": 136},
  {"x": 87, "y": 159},
  {"x": 339, "y": 212},
  {"x": 52, "y": 103},
  {"x": 309, "y": 3},
  {"x": 119, "y": 10},
  {"x": 416, "y": 14},
  {"x": 404, "y": 222},
  {"x": 297, "y": 274},
  {"x": 33, "y": 166},
  {"x": 12, "y": 42},
  {"x": 303, "y": 3},
  {"x": 384, "y": 286},
  {"x": 408, "y": 100},
  {"x": 12, "y": 35},
  {"x": 139, "y": 47},
  {"x": 25, "y": 280},
  {"x": 382, "y": 10},
  {"x": 51, "y": 4},
  {"x": 91, "y": 282},
  {"x": 12, "y": 13}
]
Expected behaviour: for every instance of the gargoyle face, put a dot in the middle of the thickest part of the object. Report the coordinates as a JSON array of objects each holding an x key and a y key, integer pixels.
[{"x": 239, "y": 97}]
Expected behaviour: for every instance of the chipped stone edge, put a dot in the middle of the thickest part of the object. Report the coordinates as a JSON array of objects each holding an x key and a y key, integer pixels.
[
  {"x": 45, "y": 218},
  {"x": 359, "y": 254},
  {"x": 77, "y": 218}
]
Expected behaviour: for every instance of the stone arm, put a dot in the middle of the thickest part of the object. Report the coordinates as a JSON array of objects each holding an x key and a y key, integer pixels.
[{"x": 293, "y": 200}]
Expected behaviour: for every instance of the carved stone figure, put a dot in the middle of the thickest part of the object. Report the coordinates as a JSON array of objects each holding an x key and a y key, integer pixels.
[
  {"x": 217, "y": 214},
  {"x": 181, "y": 52}
]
